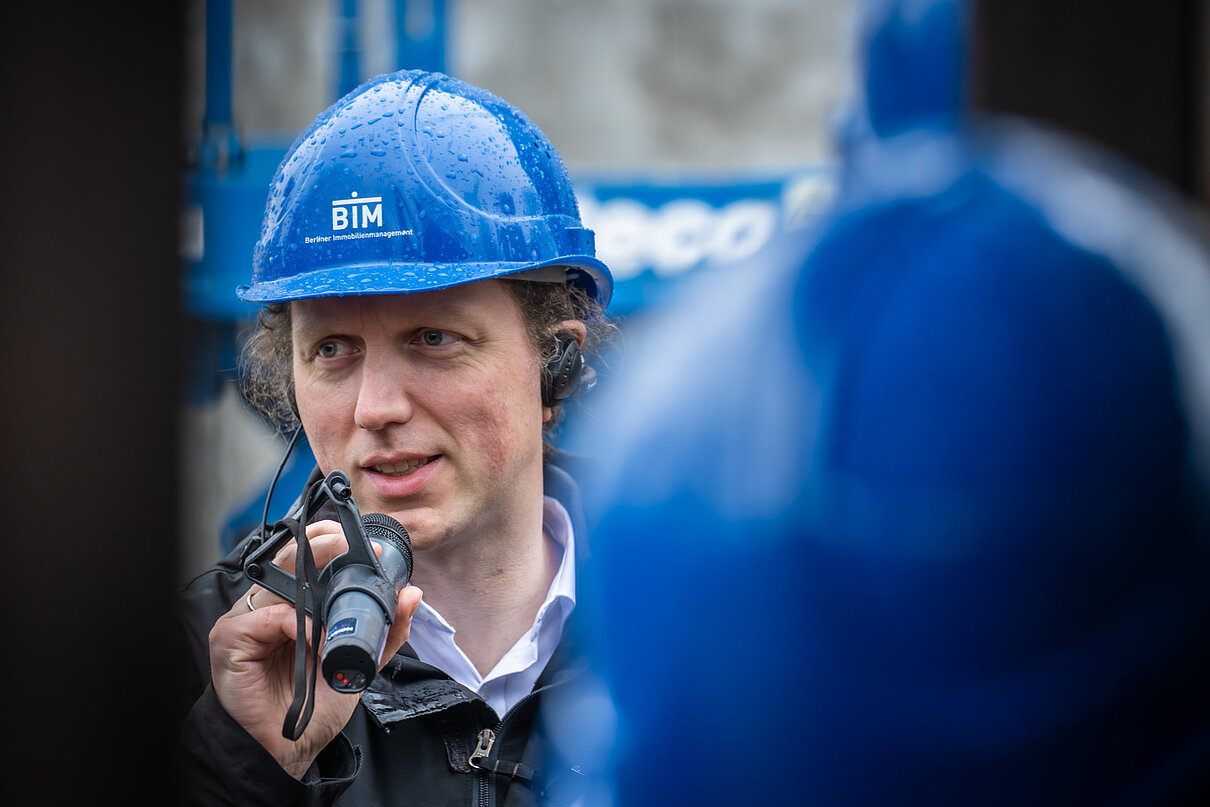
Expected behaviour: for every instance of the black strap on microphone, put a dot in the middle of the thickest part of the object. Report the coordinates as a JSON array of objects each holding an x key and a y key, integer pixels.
[
  {"x": 304, "y": 600},
  {"x": 264, "y": 518}
]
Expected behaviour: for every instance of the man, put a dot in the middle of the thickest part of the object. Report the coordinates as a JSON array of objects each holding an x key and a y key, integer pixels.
[{"x": 429, "y": 290}]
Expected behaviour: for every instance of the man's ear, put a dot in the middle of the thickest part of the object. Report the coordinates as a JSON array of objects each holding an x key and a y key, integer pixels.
[
  {"x": 563, "y": 369},
  {"x": 575, "y": 327}
]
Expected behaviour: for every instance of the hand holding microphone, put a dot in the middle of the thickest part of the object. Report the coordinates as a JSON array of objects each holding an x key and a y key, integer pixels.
[
  {"x": 353, "y": 599},
  {"x": 255, "y": 647}
]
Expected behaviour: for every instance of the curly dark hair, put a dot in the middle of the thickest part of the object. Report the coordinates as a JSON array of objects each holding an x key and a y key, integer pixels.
[{"x": 267, "y": 369}]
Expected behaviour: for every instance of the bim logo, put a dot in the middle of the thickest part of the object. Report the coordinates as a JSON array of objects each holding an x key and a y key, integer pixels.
[{"x": 357, "y": 213}]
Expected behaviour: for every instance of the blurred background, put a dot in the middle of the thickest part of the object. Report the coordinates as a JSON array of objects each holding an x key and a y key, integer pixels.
[{"x": 140, "y": 139}]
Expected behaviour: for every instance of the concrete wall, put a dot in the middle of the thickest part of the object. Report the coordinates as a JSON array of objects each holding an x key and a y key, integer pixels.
[{"x": 660, "y": 85}]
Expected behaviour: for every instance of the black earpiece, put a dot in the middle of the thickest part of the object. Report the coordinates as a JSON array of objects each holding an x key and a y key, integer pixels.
[{"x": 563, "y": 370}]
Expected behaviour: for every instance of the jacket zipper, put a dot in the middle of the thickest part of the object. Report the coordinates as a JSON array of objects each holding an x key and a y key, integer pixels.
[
  {"x": 483, "y": 778},
  {"x": 487, "y": 740}
]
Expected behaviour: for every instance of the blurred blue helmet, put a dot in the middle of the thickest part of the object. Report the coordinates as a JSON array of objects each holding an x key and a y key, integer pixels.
[
  {"x": 417, "y": 181},
  {"x": 918, "y": 514}
]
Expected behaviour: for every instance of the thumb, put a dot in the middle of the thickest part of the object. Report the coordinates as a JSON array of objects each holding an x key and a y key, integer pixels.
[{"x": 409, "y": 601}]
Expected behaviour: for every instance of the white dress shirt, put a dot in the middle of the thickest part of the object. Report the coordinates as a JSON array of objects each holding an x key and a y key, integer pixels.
[{"x": 514, "y": 675}]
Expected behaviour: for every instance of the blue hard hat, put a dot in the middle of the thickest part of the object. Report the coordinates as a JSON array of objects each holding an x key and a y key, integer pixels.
[{"x": 418, "y": 181}]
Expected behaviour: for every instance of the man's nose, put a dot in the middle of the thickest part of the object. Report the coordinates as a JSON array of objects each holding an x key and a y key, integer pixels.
[{"x": 383, "y": 397}]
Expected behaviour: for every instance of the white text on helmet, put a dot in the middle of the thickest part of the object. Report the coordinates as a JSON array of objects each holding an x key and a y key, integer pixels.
[{"x": 345, "y": 212}]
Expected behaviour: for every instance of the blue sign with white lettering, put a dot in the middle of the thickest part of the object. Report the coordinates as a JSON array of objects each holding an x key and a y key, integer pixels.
[{"x": 651, "y": 234}]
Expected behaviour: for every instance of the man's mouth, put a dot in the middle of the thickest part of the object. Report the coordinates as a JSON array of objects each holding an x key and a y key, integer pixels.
[{"x": 402, "y": 468}]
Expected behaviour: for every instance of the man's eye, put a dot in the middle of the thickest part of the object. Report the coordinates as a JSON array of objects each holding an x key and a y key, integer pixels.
[
  {"x": 328, "y": 350},
  {"x": 434, "y": 338}
]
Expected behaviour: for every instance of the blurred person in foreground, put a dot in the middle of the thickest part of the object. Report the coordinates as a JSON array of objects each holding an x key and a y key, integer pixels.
[
  {"x": 912, "y": 509},
  {"x": 429, "y": 296}
]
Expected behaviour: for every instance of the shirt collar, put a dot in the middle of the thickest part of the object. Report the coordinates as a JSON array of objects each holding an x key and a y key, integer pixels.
[{"x": 556, "y": 523}]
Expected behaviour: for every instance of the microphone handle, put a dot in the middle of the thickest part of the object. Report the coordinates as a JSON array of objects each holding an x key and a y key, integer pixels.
[{"x": 356, "y": 625}]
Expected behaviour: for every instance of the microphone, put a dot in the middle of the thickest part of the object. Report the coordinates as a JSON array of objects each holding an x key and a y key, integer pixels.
[{"x": 356, "y": 621}]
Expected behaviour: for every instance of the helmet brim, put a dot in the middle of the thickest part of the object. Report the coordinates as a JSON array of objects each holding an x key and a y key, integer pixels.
[{"x": 584, "y": 271}]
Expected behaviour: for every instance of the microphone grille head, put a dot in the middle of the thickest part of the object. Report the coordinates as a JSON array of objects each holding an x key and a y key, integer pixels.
[{"x": 384, "y": 529}]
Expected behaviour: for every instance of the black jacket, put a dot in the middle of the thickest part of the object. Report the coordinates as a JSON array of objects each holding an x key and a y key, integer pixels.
[{"x": 410, "y": 740}]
